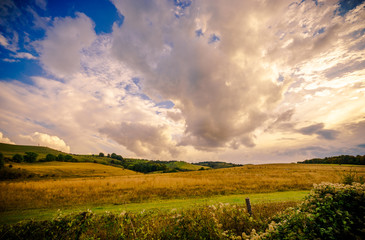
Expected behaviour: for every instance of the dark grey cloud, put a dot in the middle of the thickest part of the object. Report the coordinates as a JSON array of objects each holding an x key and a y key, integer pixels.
[
  {"x": 311, "y": 129},
  {"x": 361, "y": 145},
  {"x": 342, "y": 68},
  {"x": 318, "y": 129}
]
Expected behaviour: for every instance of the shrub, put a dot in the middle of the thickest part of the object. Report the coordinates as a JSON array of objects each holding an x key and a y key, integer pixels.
[
  {"x": 60, "y": 157},
  {"x": 30, "y": 157},
  {"x": 2, "y": 162},
  {"x": 351, "y": 177},
  {"x": 17, "y": 158},
  {"x": 331, "y": 211},
  {"x": 50, "y": 157}
]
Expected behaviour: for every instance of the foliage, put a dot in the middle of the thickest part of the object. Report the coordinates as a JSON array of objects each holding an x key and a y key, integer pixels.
[
  {"x": 50, "y": 157},
  {"x": 343, "y": 159},
  {"x": 17, "y": 158},
  {"x": 117, "y": 157},
  {"x": 101, "y": 154},
  {"x": 147, "y": 167},
  {"x": 351, "y": 177},
  {"x": 30, "y": 157},
  {"x": 2, "y": 162},
  {"x": 219, "y": 221},
  {"x": 60, "y": 158},
  {"x": 7, "y": 173},
  {"x": 331, "y": 211}
]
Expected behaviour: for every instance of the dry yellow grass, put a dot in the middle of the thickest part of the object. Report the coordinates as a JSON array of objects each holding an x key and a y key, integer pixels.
[
  {"x": 70, "y": 169},
  {"x": 136, "y": 188}
]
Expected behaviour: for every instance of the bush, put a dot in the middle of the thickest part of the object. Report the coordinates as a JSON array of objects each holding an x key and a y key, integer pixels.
[
  {"x": 17, "y": 158},
  {"x": 30, "y": 157},
  {"x": 60, "y": 158},
  {"x": 331, "y": 211},
  {"x": 2, "y": 162},
  {"x": 50, "y": 158}
]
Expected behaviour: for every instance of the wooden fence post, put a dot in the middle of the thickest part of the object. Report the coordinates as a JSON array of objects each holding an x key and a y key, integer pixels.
[{"x": 248, "y": 204}]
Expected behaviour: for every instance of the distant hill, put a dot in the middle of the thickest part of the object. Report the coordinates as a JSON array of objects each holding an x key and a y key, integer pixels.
[
  {"x": 137, "y": 165},
  {"x": 10, "y": 149},
  {"x": 185, "y": 166},
  {"x": 216, "y": 165},
  {"x": 343, "y": 159}
]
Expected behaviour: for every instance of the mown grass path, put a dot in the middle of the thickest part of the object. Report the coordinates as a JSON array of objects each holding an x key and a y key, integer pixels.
[{"x": 239, "y": 199}]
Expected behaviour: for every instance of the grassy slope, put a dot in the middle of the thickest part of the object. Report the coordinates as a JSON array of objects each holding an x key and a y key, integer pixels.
[
  {"x": 69, "y": 169},
  {"x": 184, "y": 166},
  {"x": 9, "y": 150},
  {"x": 43, "y": 214}
]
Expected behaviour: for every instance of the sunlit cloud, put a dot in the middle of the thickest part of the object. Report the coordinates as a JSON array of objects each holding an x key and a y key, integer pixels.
[{"x": 249, "y": 81}]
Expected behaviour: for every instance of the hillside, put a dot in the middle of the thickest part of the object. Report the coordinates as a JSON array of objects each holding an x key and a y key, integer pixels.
[
  {"x": 70, "y": 169},
  {"x": 113, "y": 160},
  {"x": 217, "y": 165},
  {"x": 10, "y": 149}
]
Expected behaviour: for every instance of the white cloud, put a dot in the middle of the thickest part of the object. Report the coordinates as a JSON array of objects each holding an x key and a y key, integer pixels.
[
  {"x": 43, "y": 139},
  {"x": 3, "y": 41},
  {"x": 5, "y": 139},
  {"x": 23, "y": 55},
  {"x": 61, "y": 49}
]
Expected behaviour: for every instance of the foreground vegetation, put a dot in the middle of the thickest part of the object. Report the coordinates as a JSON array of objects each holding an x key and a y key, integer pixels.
[
  {"x": 331, "y": 211},
  {"x": 56, "y": 193}
]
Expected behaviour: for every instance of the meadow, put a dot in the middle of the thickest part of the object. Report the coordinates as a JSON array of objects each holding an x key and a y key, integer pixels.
[{"x": 137, "y": 188}]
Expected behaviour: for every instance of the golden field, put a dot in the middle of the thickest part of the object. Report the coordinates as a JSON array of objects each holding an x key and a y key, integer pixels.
[
  {"x": 73, "y": 170},
  {"x": 54, "y": 193}
]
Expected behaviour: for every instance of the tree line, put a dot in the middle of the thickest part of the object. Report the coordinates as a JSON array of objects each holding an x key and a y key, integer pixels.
[{"x": 343, "y": 159}]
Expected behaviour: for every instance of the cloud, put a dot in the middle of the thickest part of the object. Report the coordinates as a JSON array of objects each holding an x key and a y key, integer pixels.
[
  {"x": 41, "y": 4},
  {"x": 60, "y": 50},
  {"x": 3, "y": 41},
  {"x": 143, "y": 139},
  {"x": 224, "y": 90},
  {"x": 5, "y": 139},
  {"x": 282, "y": 78},
  {"x": 361, "y": 145},
  {"x": 319, "y": 130},
  {"x": 23, "y": 55},
  {"x": 44, "y": 139}
]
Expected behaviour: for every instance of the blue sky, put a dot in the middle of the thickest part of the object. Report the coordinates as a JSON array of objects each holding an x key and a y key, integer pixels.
[{"x": 248, "y": 82}]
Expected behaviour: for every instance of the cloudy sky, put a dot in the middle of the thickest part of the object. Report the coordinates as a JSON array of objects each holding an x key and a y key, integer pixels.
[{"x": 238, "y": 81}]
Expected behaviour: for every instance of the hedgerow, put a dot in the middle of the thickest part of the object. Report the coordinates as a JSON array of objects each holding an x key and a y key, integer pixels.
[{"x": 331, "y": 211}]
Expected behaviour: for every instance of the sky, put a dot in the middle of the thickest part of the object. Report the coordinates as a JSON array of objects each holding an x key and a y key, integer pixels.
[{"x": 237, "y": 81}]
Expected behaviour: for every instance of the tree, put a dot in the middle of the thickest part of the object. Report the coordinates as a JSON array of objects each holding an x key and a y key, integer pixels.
[
  {"x": 30, "y": 157},
  {"x": 17, "y": 158},
  {"x": 60, "y": 158},
  {"x": 2, "y": 162},
  {"x": 50, "y": 158},
  {"x": 101, "y": 154},
  {"x": 68, "y": 158}
]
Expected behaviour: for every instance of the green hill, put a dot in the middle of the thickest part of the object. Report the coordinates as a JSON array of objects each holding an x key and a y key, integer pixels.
[
  {"x": 184, "y": 166},
  {"x": 216, "y": 165},
  {"x": 137, "y": 165},
  {"x": 11, "y": 149}
]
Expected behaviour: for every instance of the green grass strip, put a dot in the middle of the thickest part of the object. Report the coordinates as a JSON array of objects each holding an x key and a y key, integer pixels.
[{"x": 44, "y": 214}]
